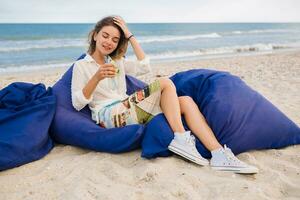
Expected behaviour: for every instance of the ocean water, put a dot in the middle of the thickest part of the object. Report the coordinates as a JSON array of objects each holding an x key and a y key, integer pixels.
[{"x": 36, "y": 46}]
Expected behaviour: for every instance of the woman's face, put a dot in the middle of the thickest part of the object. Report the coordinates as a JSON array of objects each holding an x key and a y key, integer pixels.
[{"x": 107, "y": 40}]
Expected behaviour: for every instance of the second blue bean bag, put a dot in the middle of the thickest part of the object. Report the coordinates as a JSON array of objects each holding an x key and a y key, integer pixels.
[
  {"x": 239, "y": 116},
  {"x": 26, "y": 112}
]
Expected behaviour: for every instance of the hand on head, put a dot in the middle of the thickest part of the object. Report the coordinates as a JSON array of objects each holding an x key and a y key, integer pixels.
[{"x": 122, "y": 24}]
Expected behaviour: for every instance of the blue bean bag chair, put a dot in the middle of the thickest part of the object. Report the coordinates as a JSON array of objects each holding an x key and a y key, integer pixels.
[
  {"x": 78, "y": 129},
  {"x": 26, "y": 112},
  {"x": 239, "y": 116}
]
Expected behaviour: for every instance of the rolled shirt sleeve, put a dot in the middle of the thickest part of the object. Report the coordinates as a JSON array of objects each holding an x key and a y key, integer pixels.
[
  {"x": 79, "y": 101},
  {"x": 137, "y": 67}
]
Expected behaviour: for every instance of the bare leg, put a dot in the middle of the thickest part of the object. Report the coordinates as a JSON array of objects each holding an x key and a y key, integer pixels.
[
  {"x": 170, "y": 106},
  {"x": 197, "y": 123},
  {"x": 182, "y": 143}
]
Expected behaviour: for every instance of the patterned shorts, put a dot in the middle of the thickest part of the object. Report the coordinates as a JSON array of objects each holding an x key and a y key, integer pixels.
[{"x": 139, "y": 108}]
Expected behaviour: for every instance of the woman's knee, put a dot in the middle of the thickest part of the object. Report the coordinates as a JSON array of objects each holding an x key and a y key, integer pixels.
[
  {"x": 185, "y": 102},
  {"x": 186, "y": 99},
  {"x": 165, "y": 82}
]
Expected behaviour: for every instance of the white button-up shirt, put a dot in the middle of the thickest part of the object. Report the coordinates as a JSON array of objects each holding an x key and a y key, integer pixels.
[{"x": 108, "y": 90}]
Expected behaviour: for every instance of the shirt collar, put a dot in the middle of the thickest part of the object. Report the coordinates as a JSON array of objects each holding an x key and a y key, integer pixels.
[{"x": 89, "y": 58}]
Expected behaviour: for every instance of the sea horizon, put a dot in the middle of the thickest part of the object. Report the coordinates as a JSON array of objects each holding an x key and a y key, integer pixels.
[{"x": 27, "y": 46}]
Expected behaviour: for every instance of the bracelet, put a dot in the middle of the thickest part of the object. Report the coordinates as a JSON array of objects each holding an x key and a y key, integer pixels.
[{"x": 130, "y": 37}]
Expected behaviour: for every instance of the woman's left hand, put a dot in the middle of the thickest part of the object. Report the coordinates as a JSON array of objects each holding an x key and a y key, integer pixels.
[{"x": 121, "y": 23}]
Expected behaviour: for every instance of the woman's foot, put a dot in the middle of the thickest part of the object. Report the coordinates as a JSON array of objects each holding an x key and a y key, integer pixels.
[
  {"x": 223, "y": 159},
  {"x": 184, "y": 145}
]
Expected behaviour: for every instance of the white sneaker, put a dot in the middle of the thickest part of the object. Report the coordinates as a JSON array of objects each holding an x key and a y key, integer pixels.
[
  {"x": 184, "y": 145},
  {"x": 225, "y": 160}
]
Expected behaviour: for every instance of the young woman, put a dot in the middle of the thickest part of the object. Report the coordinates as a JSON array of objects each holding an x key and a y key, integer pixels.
[{"x": 99, "y": 81}]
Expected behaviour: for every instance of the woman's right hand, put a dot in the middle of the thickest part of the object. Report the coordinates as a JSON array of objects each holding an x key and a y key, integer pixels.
[{"x": 106, "y": 70}]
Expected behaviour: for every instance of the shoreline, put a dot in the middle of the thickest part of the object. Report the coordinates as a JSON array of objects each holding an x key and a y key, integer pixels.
[{"x": 171, "y": 60}]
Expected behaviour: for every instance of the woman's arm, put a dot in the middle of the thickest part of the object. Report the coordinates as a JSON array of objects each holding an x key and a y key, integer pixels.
[
  {"x": 90, "y": 86},
  {"x": 133, "y": 41},
  {"x": 137, "y": 48}
]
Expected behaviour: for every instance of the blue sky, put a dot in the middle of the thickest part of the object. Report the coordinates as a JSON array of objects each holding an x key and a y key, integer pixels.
[{"x": 89, "y": 11}]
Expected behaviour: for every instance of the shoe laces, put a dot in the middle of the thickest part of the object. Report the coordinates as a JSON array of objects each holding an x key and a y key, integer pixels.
[
  {"x": 191, "y": 139},
  {"x": 231, "y": 156}
]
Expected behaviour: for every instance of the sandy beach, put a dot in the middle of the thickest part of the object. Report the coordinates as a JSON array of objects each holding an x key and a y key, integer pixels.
[{"x": 73, "y": 173}]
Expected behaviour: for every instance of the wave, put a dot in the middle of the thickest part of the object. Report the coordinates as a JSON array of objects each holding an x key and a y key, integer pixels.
[
  {"x": 7, "y": 46},
  {"x": 172, "y": 55},
  {"x": 24, "y": 68},
  {"x": 238, "y": 32},
  {"x": 221, "y": 50},
  {"x": 24, "y": 45},
  {"x": 168, "y": 38}
]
